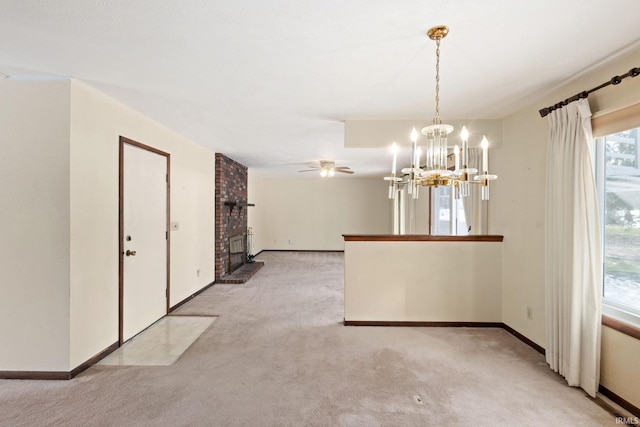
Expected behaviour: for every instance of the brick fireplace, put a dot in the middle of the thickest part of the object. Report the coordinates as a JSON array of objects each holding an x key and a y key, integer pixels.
[{"x": 231, "y": 213}]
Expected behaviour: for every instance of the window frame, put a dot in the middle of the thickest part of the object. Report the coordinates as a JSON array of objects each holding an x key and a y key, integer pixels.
[{"x": 612, "y": 309}]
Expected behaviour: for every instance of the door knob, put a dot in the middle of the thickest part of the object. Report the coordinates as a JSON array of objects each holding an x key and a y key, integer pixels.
[{"x": 130, "y": 253}]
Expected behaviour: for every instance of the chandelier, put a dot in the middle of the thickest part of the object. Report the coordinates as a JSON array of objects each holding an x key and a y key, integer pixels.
[{"x": 435, "y": 170}]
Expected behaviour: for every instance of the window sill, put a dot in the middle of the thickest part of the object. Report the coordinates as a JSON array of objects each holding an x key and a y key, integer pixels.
[{"x": 621, "y": 326}]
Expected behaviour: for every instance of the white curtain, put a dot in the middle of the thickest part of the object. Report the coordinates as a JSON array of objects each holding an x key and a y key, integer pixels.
[{"x": 573, "y": 257}]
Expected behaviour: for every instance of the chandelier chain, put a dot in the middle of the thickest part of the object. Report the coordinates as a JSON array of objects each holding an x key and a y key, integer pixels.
[{"x": 436, "y": 119}]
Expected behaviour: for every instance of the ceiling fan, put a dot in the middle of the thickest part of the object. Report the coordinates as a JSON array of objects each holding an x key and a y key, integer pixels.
[{"x": 328, "y": 168}]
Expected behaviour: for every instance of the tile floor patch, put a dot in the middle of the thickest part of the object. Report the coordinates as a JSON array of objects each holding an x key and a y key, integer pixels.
[{"x": 162, "y": 343}]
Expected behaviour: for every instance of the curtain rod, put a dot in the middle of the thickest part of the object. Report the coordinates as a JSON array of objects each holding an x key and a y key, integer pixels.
[{"x": 615, "y": 80}]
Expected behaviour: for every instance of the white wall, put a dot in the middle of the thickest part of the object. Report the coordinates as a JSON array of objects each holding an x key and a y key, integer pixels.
[
  {"x": 518, "y": 202},
  {"x": 255, "y": 214},
  {"x": 314, "y": 213},
  {"x": 97, "y": 121},
  {"x": 34, "y": 238}
]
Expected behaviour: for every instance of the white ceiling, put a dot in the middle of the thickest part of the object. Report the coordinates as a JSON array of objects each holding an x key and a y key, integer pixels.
[{"x": 270, "y": 82}]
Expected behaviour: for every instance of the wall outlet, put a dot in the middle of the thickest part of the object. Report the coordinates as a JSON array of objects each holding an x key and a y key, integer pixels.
[
  {"x": 290, "y": 242},
  {"x": 529, "y": 313}
]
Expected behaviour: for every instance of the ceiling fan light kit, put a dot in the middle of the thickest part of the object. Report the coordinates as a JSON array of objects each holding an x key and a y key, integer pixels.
[{"x": 436, "y": 172}]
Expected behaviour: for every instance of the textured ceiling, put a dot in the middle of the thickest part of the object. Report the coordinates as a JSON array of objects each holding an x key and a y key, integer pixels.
[{"x": 270, "y": 82}]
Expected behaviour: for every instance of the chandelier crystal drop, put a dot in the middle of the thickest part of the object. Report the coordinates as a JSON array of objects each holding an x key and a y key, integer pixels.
[{"x": 436, "y": 170}]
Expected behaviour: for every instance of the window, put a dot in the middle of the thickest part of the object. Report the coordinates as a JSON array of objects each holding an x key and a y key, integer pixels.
[
  {"x": 448, "y": 211},
  {"x": 619, "y": 188}
]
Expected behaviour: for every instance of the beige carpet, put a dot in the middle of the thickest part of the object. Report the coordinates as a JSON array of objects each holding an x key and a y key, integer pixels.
[{"x": 278, "y": 355}]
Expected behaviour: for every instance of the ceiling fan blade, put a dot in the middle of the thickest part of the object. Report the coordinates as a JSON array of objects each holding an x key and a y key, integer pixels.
[
  {"x": 309, "y": 170},
  {"x": 342, "y": 167},
  {"x": 343, "y": 171}
]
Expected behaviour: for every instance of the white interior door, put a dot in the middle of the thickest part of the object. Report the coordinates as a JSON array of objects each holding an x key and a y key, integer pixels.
[{"x": 144, "y": 277}]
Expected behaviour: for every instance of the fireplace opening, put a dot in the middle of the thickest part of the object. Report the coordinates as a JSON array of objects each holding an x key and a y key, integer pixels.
[{"x": 237, "y": 252}]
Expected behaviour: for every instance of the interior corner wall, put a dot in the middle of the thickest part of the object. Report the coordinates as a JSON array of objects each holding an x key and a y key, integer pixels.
[
  {"x": 313, "y": 213},
  {"x": 517, "y": 211},
  {"x": 97, "y": 122},
  {"x": 34, "y": 239}
]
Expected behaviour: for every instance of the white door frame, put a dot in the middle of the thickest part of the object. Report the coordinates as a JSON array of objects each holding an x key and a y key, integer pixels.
[{"x": 128, "y": 141}]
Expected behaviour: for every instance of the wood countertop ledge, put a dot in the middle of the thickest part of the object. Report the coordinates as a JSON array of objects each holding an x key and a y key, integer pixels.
[{"x": 419, "y": 238}]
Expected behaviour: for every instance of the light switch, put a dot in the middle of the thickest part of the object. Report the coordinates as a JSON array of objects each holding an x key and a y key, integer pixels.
[{"x": 175, "y": 226}]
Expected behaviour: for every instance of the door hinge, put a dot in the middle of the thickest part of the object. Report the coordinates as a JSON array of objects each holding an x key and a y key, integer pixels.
[
  {"x": 166, "y": 235},
  {"x": 166, "y": 177}
]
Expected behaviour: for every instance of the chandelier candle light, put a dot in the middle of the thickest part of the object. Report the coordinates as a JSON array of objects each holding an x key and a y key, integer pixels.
[
  {"x": 436, "y": 171},
  {"x": 393, "y": 180}
]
